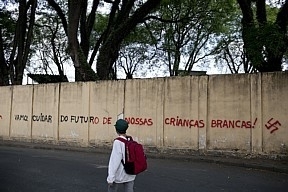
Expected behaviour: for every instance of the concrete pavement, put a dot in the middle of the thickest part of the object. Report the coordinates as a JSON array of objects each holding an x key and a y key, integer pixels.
[
  {"x": 24, "y": 169},
  {"x": 274, "y": 163}
]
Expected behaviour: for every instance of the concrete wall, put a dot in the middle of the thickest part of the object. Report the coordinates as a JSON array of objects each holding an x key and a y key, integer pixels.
[
  {"x": 45, "y": 116},
  {"x": 21, "y": 112},
  {"x": 5, "y": 111},
  {"x": 74, "y": 112},
  {"x": 241, "y": 113}
]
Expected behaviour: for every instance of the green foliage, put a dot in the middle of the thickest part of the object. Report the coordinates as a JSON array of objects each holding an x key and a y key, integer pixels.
[
  {"x": 139, "y": 36},
  {"x": 264, "y": 40},
  {"x": 101, "y": 23},
  {"x": 190, "y": 28},
  {"x": 8, "y": 28},
  {"x": 271, "y": 13}
]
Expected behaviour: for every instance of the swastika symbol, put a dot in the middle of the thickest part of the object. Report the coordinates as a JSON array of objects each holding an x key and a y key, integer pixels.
[{"x": 272, "y": 125}]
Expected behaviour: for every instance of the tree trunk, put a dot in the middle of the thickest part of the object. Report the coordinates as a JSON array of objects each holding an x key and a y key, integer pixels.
[
  {"x": 83, "y": 71},
  {"x": 86, "y": 26},
  {"x": 20, "y": 35},
  {"x": 22, "y": 41},
  {"x": 109, "y": 51},
  {"x": 4, "y": 74},
  {"x": 267, "y": 38}
]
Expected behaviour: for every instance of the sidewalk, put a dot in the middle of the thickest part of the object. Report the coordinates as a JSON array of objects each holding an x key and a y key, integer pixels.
[{"x": 276, "y": 164}]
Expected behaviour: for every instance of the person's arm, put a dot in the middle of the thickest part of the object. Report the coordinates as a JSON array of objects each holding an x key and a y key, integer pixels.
[{"x": 114, "y": 162}]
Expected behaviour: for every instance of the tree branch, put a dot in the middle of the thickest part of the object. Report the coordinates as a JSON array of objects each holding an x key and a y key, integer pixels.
[
  {"x": 282, "y": 17},
  {"x": 261, "y": 12},
  {"x": 60, "y": 13}
]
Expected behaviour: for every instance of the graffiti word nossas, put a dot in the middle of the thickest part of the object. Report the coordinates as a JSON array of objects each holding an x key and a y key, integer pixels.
[{"x": 139, "y": 121}]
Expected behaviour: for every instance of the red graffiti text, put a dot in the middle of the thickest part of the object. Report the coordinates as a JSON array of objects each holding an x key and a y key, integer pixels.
[
  {"x": 107, "y": 120},
  {"x": 232, "y": 124},
  {"x": 184, "y": 122},
  {"x": 139, "y": 121}
]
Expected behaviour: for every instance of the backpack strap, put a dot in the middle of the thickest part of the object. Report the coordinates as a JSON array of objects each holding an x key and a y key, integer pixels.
[
  {"x": 128, "y": 138},
  {"x": 124, "y": 141},
  {"x": 121, "y": 139}
]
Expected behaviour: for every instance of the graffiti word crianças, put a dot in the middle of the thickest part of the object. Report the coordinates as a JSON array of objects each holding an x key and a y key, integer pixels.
[{"x": 179, "y": 122}]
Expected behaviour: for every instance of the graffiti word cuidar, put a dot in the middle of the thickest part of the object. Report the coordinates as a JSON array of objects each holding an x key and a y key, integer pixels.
[{"x": 42, "y": 118}]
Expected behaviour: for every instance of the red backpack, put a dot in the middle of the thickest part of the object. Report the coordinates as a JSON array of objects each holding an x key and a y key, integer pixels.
[{"x": 135, "y": 158}]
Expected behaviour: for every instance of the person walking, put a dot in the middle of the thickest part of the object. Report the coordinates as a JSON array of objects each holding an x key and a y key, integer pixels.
[{"x": 117, "y": 176}]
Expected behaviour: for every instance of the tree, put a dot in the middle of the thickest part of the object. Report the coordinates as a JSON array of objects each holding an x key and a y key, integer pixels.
[
  {"x": 133, "y": 58},
  {"x": 6, "y": 31},
  {"x": 188, "y": 31},
  {"x": 77, "y": 13},
  {"x": 123, "y": 19},
  {"x": 137, "y": 51},
  {"x": 265, "y": 41},
  {"x": 229, "y": 52},
  {"x": 19, "y": 51},
  {"x": 49, "y": 46}
]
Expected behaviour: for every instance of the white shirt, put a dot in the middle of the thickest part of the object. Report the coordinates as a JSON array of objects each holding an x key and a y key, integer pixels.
[{"x": 116, "y": 172}]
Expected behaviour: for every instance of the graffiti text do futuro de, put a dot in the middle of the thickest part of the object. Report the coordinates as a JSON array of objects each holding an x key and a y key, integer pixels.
[{"x": 85, "y": 119}]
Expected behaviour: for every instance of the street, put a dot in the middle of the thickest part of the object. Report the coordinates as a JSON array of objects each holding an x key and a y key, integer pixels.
[{"x": 40, "y": 170}]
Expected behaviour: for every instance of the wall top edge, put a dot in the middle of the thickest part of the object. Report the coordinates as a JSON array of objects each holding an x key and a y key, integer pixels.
[{"x": 156, "y": 78}]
